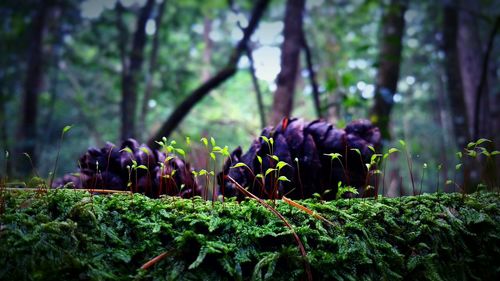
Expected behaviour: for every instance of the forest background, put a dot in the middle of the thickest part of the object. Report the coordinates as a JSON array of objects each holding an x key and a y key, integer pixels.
[{"x": 425, "y": 72}]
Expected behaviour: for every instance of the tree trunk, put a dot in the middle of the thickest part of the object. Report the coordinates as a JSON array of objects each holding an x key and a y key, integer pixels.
[
  {"x": 389, "y": 61},
  {"x": 27, "y": 131},
  {"x": 480, "y": 92},
  {"x": 290, "y": 55},
  {"x": 312, "y": 77},
  {"x": 129, "y": 79},
  {"x": 229, "y": 70},
  {"x": 207, "y": 51},
  {"x": 256, "y": 86},
  {"x": 152, "y": 68},
  {"x": 455, "y": 89},
  {"x": 470, "y": 54}
]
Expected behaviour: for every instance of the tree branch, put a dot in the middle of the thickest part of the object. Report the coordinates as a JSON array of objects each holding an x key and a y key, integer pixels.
[
  {"x": 312, "y": 76},
  {"x": 258, "y": 93},
  {"x": 152, "y": 66},
  {"x": 484, "y": 75},
  {"x": 229, "y": 70}
]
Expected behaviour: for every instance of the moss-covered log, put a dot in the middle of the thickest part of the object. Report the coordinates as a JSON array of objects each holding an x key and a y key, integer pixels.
[{"x": 71, "y": 235}]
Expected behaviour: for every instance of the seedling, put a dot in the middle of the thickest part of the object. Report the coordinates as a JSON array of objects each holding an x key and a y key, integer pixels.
[
  {"x": 342, "y": 189},
  {"x": 424, "y": 167},
  {"x": 409, "y": 163},
  {"x": 299, "y": 177},
  {"x": 336, "y": 156},
  {"x": 64, "y": 130},
  {"x": 384, "y": 159}
]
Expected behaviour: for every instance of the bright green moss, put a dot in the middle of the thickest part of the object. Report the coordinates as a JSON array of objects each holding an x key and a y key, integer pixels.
[{"x": 68, "y": 235}]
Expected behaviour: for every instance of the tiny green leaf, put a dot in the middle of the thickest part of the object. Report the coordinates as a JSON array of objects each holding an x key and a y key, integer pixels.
[
  {"x": 281, "y": 164},
  {"x": 259, "y": 159},
  {"x": 212, "y": 141},
  {"x": 333, "y": 155},
  {"x": 142, "y": 167},
  {"x": 283, "y": 178},
  {"x": 67, "y": 128},
  {"x": 480, "y": 141},
  {"x": 259, "y": 176},
  {"x": 449, "y": 182},
  {"x": 472, "y": 153},
  {"x": 204, "y": 141},
  {"x": 274, "y": 157},
  {"x": 180, "y": 151},
  {"x": 264, "y": 138},
  {"x": 403, "y": 143},
  {"x": 269, "y": 171},
  {"x": 496, "y": 152},
  {"x": 239, "y": 164},
  {"x": 212, "y": 155},
  {"x": 458, "y": 166},
  {"x": 393, "y": 150},
  {"x": 357, "y": 151},
  {"x": 188, "y": 141},
  {"x": 145, "y": 150},
  {"x": 202, "y": 172},
  {"x": 127, "y": 149},
  {"x": 371, "y": 148}
]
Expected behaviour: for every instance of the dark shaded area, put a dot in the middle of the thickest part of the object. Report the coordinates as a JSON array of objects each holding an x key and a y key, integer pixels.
[
  {"x": 304, "y": 146},
  {"x": 133, "y": 167}
]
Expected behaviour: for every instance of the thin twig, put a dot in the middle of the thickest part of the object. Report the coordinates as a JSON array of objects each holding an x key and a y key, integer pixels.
[
  {"x": 108, "y": 191},
  {"x": 156, "y": 259},
  {"x": 282, "y": 218}
]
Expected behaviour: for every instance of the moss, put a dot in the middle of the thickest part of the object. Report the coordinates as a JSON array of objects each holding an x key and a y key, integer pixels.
[{"x": 67, "y": 235}]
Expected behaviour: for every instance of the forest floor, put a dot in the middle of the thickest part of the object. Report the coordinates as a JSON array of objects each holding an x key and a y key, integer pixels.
[{"x": 68, "y": 234}]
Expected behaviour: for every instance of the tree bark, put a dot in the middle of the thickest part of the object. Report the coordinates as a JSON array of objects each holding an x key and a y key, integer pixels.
[
  {"x": 312, "y": 77},
  {"x": 229, "y": 70},
  {"x": 455, "y": 90},
  {"x": 129, "y": 79},
  {"x": 290, "y": 55},
  {"x": 482, "y": 85},
  {"x": 389, "y": 60},
  {"x": 470, "y": 54},
  {"x": 207, "y": 51},
  {"x": 27, "y": 130},
  {"x": 152, "y": 67},
  {"x": 258, "y": 93}
]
